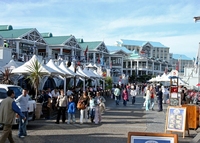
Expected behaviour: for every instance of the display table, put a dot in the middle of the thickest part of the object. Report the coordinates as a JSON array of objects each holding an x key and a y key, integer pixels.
[{"x": 192, "y": 112}]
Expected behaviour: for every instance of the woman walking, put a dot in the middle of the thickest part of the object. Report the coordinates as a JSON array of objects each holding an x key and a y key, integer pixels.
[
  {"x": 98, "y": 99},
  {"x": 84, "y": 100},
  {"x": 152, "y": 92},
  {"x": 125, "y": 96},
  {"x": 62, "y": 106},
  {"x": 147, "y": 98}
]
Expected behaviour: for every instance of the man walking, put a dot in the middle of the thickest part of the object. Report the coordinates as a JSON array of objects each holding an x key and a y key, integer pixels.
[
  {"x": 159, "y": 97},
  {"x": 8, "y": 108},
  {"x": 117, "y": 94},
  {"x": 22, "y": 102}
]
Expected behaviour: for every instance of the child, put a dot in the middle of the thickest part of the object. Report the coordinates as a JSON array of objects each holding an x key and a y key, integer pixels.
[
  {"x": 71, "y": 110},
  {"x": 92, "y": 108}
]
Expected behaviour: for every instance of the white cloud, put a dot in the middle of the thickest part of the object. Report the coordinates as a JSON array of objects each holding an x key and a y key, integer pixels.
[{"x": 124, "y": 20}]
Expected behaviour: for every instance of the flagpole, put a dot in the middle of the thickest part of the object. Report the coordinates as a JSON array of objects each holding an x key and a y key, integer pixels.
[{"x": 198, "y": 66}]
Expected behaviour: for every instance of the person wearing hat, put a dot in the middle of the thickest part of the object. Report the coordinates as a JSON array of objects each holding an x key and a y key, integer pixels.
[
  {"x": 133, "y": 94},
  {"x": 5, "y": 44}
]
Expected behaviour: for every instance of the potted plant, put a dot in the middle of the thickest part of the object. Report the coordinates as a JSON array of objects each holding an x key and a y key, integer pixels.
[
  {"x": 6, "y": 76},
  {"x": 35, "y": 76}
]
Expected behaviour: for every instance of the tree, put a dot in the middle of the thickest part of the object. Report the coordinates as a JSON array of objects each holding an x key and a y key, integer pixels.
[
  {"x": 35, "y": 75},
  {"x": 6, "y": 76},
  {"x": 108, "y": 81}
]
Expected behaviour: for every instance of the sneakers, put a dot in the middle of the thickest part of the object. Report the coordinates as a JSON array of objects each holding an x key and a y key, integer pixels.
[{"x": 21, "y": 136}]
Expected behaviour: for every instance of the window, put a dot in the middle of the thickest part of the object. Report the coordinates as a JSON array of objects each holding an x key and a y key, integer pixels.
[
  {"x": 3, "y": 93},
  {"x": 17, "y": 90}
]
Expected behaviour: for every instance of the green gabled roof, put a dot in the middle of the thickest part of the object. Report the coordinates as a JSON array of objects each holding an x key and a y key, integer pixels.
[
  {"x": 134, "y": 55},
  {"x": 91, "y": 45},
  {"x": 56, "y": 40},
  {"x": 15, "y": 33},
  {"x": 46, "y": 35},
  {"x": 6, "y": 27}
]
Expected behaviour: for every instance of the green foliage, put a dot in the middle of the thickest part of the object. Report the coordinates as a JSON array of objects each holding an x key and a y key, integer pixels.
[
  {"x": 108, "y": 82},
  {"x": 35, "y": 75},
  {"x": 6, "y": 76}
]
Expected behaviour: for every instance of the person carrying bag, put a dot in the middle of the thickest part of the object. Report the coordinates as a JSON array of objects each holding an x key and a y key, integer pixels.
[{"x": 62, "y": 103}]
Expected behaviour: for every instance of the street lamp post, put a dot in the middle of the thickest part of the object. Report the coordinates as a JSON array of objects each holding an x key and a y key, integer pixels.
[{"x": 196, "y": 19}]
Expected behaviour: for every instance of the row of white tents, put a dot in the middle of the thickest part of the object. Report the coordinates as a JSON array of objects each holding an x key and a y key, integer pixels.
[
  {"x": 51, "y": 69},
  {"x": 165, "y": 78}
]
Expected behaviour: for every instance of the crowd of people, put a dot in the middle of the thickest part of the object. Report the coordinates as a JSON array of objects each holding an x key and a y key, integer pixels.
[
  {"x": 90, "y": 103},
  {"x": 151, "y": 93}
]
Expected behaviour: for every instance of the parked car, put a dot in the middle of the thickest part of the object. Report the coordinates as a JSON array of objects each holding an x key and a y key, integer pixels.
[{"x": 18, "y": 91}]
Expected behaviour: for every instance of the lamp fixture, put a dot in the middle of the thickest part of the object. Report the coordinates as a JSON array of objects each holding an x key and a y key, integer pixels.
[{"x": 197, "y": 18}]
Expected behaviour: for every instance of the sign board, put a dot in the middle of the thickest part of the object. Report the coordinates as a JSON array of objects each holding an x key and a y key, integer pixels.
[
  {"x": 176, "y": 119},
  {"x": 174, "y": 73},
  {"x": 174, "y": 99},
  {"x": 145, "y": 137}
]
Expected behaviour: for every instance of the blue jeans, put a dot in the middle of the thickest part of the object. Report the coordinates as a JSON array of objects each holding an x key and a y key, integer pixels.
[
  {"x": 117, "y": 100},
  {"x": 92, "y": 114},
  {"x": 71, "y": 116},
  {"x": 22, "y": 125},
  {"x": 152, "y": 103},
  {"x": 147, "y": 104},
  {"x": 124, "y": 102}
]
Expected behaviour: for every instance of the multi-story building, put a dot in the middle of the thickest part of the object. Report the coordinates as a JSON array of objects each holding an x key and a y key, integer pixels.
[
  {"x": 147, "y": 57},
  {"x": 126, "y": 58},
  {"x": 179, "y": 62}
]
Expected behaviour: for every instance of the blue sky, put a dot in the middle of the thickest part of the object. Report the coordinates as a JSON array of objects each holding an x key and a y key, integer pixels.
[{"x": 167, "y": 21}]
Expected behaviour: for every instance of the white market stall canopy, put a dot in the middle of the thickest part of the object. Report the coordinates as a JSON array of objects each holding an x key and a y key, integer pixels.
[
  {"x": 11, "y": 65},
  {"x": 52, "y": 65},
  {"x": 88, "y": 73},
  {"x": 66, "y": 70},
  {"x": 81, "y": 72},
  {"x": 24, "y": 69}
]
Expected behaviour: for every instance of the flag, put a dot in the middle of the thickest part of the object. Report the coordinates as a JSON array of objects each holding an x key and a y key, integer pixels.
[
  {"x": 166, "y": 69},
  {"x": 86, "y": 50},
  {"x": 99, "y": 60},
  {"x": 102, "y": 62},
  {"x": 142, "y": 53},
  {"x": 177, "y": 65}
]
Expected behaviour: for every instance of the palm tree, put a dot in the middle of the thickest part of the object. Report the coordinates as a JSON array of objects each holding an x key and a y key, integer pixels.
[{"x": 35, "y": 75}]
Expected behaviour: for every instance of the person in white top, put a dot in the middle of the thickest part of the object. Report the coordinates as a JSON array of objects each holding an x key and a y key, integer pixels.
[
  {"x": 148, "y": 98},
  {"x": 137, "y": 89},
  {"x": 133, "y": 93},
  {"x": 55, "y": 93}
]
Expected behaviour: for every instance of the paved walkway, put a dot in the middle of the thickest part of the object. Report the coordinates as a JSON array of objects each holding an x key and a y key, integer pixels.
[
  {"x": 155, "y": 121},
  {"x": 117, "y": 121}
]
